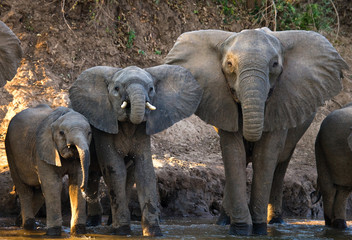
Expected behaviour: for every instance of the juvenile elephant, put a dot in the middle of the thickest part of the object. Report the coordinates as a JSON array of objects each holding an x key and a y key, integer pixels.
[
  {"x": 261, "y": 90},
  {"x": 42, "y": 145},
  {"x": 125, "y": 106},
  {"x": 333, "y": 152},
  {"x": 10, "y": 54}
]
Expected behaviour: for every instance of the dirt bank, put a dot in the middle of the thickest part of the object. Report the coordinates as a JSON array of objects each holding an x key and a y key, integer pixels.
[{"x": 62, "y": 38}]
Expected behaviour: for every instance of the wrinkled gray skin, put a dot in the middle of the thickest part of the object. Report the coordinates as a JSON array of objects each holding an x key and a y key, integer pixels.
[
  {"x": 42, "y": 145},
  {"x": 261, "y": 90},
  {"x": 10, "y": 54},
  {"x": 333, "y": 152},
  {"x": 122, "y": 133}
]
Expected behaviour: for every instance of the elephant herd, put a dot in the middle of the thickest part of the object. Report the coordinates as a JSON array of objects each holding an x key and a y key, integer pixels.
[{"x": 259, "y": 88}]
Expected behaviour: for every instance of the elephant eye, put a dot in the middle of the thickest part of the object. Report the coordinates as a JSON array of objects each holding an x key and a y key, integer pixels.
[
  {"x": 62, "y": 133},
  {"x": 117, "y": 89},
  {"x": 151, "y": 89},
  {"x": 275, "y": 64},
  {"x": 229, "y": 63}
]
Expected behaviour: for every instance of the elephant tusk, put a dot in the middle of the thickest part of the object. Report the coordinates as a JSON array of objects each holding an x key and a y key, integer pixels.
[
  {"x": 150, "y": 106},
  {"x": 124, "y": 104}
]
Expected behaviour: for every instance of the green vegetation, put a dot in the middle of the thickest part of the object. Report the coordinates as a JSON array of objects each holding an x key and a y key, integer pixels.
[
  {"x": 308, "y": 16},
  {"x": 231, "y": 9},
  {"x": 131, "y": 37},
  {"x": 284, "y": 14},
  {"x": 141, "y": 52},
  {"x": 157, "y": 52}
]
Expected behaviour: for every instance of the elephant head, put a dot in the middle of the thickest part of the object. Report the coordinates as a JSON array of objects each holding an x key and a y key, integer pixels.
[
  {"x": 159, "y": 96},
  {"x": 10, "y": 54},
  {"x": 274, "y": 80},
  {"x": 65, "y": 134}
]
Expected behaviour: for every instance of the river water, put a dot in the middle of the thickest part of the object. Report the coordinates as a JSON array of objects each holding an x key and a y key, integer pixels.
[{"x": 188, "y": 229}]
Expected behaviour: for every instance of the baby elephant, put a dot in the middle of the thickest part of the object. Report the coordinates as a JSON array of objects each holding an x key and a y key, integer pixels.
[
  {"x": 333, "y": 150},
  {"x": 42, "y": 145}
]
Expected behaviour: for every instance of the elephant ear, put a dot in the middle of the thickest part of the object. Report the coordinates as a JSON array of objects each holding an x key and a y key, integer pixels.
[
  {"x": 89, "y": 96},
  {"x": 312, "y": 72},
  {"x": 199, "y": 52},
  {"x": 10, "y": 54},
  {"x": 46, "y": 147},
  {"x": 177, "y": 96}
]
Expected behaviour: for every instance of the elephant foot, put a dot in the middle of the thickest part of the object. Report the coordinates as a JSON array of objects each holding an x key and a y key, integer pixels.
[
  {"x": 260, "y": 228},
  {"x": 277, "y": 220},
  {"x": 53, "y": 231},
  {"x": 241, "y": 229},
  {"x": 223, "y": 219},
  {"x": 78, "y": 229},
  {"x": 29, "y": 224},
  {"x": 93, "y": 221},
  {"x": 327, "y": 220},
  {"x": 152, "y": 231},
  {"x": 339, "y": 224},
  {"x": 123, "y": 230}
]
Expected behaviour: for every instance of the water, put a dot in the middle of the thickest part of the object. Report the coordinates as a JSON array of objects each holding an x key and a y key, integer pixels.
[{"x": 188, "y": 229}]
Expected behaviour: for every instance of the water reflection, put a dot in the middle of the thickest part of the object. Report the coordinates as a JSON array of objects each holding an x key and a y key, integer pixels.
[{"x": 187, "y": 229}]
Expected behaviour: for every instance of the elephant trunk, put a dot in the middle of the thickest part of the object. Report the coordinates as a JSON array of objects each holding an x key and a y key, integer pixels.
[
  {"x": 137, "y": 98},
  {"x": 254, "y": 89},
  {"x": 84, "y": 156}
]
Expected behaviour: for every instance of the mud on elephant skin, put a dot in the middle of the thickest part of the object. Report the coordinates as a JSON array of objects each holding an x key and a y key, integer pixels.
[
  {"x": 125, "y": 106},
  {"x": 261, "y": 90},
  {"x": 333, "y": 152},
  {"x": 10, "y": 54},
  {"x": 42, "y": 145}
]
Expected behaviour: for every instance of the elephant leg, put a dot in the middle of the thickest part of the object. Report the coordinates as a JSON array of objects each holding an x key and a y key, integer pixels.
[
  {"x": 265, "y": 156},
  {"x": 78, "y": 203},
  {"x": 94, "y": 208},
  {"x": 339, "y": 208},
  {"x": 325, "y": 184},
  {"x": 113, "y": 168},
  {"x": 147, "y": 193},
  {"x": 51, "y": 184},
  {"x": 276, "y": 194},
  {"x": 235, "y": 191},
  {"x": 38, "y": 201},
  {"x": 26, "y": 194},
  {"x": 130, "y": 180}
]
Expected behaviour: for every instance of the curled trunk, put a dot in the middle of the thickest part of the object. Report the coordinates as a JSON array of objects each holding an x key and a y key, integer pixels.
[{"x": 84, "y": 156}]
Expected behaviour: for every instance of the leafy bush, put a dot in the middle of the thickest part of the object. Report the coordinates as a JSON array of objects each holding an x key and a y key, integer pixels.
[
  {"x": 290, "y": 14},
  {"x": 305, "y": 16}
]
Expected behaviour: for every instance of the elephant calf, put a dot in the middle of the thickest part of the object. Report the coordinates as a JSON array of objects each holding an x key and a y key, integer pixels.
[
  {"x": 42, "y": 145},
  {"x": 124, "y": 107},
  {"x": 333, "y": 151}
]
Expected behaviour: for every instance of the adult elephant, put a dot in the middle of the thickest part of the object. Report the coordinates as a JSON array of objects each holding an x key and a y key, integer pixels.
[
  {"x": 10, "y": 54},
  {"x": 125, "y": 106},
  {"x": 261, "y": 89},
  {"x": 42, "y": 145},
  {"x": 333, "y": 151}
]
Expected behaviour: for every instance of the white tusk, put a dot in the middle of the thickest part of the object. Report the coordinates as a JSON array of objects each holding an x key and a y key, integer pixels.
[
  {"x": 124, "y": 105},
  {"x": 149, "y": 106}
]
